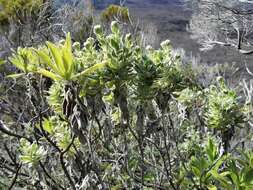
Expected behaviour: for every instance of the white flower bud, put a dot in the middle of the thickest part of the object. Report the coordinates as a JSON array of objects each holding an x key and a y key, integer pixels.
[
  {"x": 128, "y": 37},
  {"x": 98, "y": 30},
  {"x": 149, "y": 47},
  {"x": 165, "y": 43},
  {"x": 76, "y": 45}
]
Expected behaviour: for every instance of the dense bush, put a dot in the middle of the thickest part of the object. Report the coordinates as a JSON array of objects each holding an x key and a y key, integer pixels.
[
  {"x": 13, "y": 9},
  {"x": 24, "y": 23},
  {"x": 78, "y": 21},
  {"x": 109, "y": 114},
  {"x": 113, "y": 12}
]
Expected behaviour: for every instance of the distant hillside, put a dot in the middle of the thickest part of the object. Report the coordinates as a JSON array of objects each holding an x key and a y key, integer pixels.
[
  {"x": 101, "y": 4},
  {"x": 98, "y": 4}
]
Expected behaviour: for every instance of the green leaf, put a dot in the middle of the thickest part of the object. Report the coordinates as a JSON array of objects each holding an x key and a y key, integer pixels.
[
  {"x": 222, "y": 179},
  {"x": 114, "y": 44},
  {"x": 149, "y": 177},
  {"x": 211, "y": 187},
  {"x": 90, "y": 70},
  {"x": 67, "y": 54},
  {"x": 249, "y": 176},
  {"x": 47, "y": 126},
  {"x": 47, "y": 60},
  {"x": 2, "y": 62},
  {"x": 57, "y": 58},
  {"x": 211, "y": 150},
  {"x": 25, "y": 159},
  {"x": 49, "y": 74},
  {"x": 68, "y": 57},
  {"x": 14, "y": 76},
  {"x": 18, "y": 62}
]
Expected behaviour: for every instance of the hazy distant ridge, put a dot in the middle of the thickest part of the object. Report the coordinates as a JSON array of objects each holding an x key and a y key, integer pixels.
[{"x": 97, "y": 3}]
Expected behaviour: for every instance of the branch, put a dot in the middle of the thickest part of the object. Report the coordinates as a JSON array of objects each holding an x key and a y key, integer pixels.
[
  {"x": 234, "y": 10},
  {"x": 246, "y": 52},
  {"x": 49, "y": 176},
  {"x": 5, "y": 130},
  {"x": 63, "y": 164},
  {"x": 15, "y": 177},
  {"x": 54, "y": 145},
  {"x": 242, "y": 51},
  {"x": 13, "y": 158},
  {"x": 13, "y": 171}
]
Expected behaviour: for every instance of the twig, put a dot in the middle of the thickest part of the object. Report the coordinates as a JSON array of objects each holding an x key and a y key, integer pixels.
[
  {"x": 5, "y": 130},
  {"x": 63, "y": 164},
  {"x": 15, "y": 177}
]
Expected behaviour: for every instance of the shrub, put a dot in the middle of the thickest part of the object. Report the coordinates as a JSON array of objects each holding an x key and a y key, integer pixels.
[
  {"x": 112, "y": 115},
  {"x": 78, "y": 21},
  {"x": 113, "y": 12},
  {"x": 17, "y": 8}
]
